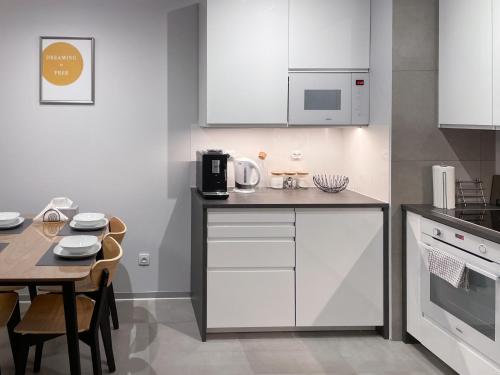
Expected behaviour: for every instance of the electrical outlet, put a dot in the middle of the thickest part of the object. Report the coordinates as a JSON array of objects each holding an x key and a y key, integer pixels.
[
  {"x": 144, "y": 259},
  {"x": 297, "y": 155}
]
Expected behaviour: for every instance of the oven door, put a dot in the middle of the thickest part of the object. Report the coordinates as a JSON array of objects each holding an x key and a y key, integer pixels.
[
  {"x": 471, "y": 314},
  {"x": 320, "y": 99}
]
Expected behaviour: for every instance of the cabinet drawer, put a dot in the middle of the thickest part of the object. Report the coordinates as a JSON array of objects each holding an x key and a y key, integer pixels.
[
  {"x": 256, "y": 216},
  {"x": 251, "y": 231},
  {"x": 257, "y": 298},
  {"x": 257, "y": 254}
]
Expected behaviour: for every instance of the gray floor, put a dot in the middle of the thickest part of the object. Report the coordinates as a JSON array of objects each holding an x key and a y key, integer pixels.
[{"x": 160, "y": 337}]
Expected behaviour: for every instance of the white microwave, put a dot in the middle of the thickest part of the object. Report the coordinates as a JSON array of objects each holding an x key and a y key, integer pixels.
[{"x": 329, "y": 98}]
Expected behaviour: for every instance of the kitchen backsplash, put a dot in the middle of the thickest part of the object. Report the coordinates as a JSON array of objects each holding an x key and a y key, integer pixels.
[{"x": 352, "y": 152}]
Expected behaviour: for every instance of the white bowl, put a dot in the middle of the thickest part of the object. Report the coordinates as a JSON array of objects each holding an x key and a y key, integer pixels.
[
  {"x": 78, "y": 244},
  {"x": 89, "y": 219},
  {"x": 7, "y": 218}
]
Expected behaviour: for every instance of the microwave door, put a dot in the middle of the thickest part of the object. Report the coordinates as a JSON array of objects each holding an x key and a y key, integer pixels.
[{"x": 320, "y": 99}]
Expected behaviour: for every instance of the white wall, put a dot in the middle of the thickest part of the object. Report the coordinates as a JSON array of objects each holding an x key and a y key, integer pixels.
[{"x": 118, "y": 155}]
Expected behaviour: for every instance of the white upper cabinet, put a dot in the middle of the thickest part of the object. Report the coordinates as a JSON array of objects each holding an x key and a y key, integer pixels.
[
  {"x": 329, "y": 34},
  {"x": 466, "y": 63},
  {"x": 243, "y": 62},
  {"x": 496, "y": 62}
]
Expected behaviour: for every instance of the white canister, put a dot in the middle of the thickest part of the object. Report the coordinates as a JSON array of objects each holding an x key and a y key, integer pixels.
[
  {"x": 302, "y": 178},
  {"x": 276, "y": 180}
]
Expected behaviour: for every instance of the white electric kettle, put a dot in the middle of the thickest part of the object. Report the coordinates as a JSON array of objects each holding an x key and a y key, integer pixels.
[{"x": 245, "y": 180}]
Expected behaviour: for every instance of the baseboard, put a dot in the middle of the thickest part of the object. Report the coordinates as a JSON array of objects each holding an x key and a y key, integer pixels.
[
  {"x": 151, "y": 295},
  {"x": 132, "y": 296},
  {"x": 349, "y": 330}
]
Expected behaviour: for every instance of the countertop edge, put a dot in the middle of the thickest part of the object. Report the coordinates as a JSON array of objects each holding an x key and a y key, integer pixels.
[
  {"x": 223, "y": 204},
  {"x": 299, "y": 205}
]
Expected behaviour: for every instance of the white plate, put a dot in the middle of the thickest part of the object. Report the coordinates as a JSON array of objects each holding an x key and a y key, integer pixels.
[
  {"x": 7, "y": 218},
  {"x": 77, "y": 226},
  {"x": 15, "y": 224},
  {"x": 88, "y": 219},
  {"x": 63, "y": 253},
  {"x": 78, "y": 244}
]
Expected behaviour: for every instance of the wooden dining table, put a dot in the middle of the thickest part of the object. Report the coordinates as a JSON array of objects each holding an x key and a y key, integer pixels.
[{"x": 18, "y": 266}]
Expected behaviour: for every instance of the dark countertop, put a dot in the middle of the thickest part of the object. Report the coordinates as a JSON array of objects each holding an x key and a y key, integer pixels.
[
  {"x": 447, "y": 217},
  {"x": 311, "y": 198}
]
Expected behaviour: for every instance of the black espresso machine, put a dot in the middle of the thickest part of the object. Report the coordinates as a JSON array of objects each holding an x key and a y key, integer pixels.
[{"x": 211, "y": 174}]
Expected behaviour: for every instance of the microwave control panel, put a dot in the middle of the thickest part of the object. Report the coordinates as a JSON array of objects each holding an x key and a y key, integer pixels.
[{"x": 360, "y": 94}]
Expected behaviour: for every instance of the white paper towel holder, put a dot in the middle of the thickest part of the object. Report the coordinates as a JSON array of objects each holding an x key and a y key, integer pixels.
[{"x": 444, "y": 186}]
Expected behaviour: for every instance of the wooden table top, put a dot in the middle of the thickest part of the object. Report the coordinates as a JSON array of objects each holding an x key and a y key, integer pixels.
[{"x": 18, "y": 260}]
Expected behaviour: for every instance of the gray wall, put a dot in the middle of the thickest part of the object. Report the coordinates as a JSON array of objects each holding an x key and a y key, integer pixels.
[
  {"x": 129, "y": 153},
  {"x": 417, "y": 143}
]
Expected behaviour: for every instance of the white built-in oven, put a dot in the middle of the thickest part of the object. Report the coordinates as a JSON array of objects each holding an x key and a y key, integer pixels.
[
  {"x": 472, "y": 312},
  {"x": 335, "y": 98}
]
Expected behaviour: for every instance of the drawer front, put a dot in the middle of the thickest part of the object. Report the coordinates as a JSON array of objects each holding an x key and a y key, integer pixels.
[
  {"x": 256, "y": 216},
  {"x": 257, "y": 298},
  {"x": 251, "y": 231},
  {"x": 248, "y": 254}
]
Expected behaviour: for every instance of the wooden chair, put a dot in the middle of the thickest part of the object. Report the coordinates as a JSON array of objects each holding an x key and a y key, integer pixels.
[
  {"x": 117, "y": 230},
  {"x": 10, "y": 316},
  {"x": 9, "y": 288},
  {"x": 44, "y": 319}
]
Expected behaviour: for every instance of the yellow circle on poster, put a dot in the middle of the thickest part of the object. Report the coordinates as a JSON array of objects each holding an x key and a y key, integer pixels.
[{"x": 62, "y": 63}]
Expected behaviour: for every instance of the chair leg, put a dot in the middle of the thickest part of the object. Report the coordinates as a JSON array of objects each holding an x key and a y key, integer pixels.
[
  {"x": 112, "y": 307},
  {"x": 96, "y": 354},
  {"x": 22, "y": 350},
  {"x": 38, "y": 357},
  {"x": 108, "y": 343},
  {"x": 13, "y": 337}
]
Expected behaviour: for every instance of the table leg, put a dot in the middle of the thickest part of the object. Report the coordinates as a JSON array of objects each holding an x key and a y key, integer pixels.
[
  {"x": 70, "y": 315},
  {"x": 33, "y": 291}
]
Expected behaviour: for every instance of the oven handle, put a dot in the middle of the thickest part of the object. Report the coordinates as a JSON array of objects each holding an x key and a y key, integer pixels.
[{"x": 469, "y": 263}]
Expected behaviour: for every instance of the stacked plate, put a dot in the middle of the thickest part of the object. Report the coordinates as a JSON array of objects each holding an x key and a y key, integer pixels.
[
  {"x": 77, "y": 247},
  {"x": 89, "y": 221},
  {"x": 9, "y": 220}
]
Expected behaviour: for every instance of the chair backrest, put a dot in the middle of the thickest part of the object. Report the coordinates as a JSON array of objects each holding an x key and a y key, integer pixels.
[
  {"x": 112, "y": 252},
  {"x": 117, "y": 229}
]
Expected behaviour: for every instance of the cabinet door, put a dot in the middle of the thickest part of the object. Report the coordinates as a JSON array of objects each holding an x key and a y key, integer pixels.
[
  {"x": 329, "y": 34},
  {"x": 413, "y": 259},
  {"x": 465, "y": 63},
  {"x": 339, "y": 267},
  {"x": 247, "y": 62},
  {"x": 496, "y": 61}
]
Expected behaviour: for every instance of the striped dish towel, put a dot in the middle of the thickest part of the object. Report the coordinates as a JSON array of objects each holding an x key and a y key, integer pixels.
[{"x": 448, "y": 268}]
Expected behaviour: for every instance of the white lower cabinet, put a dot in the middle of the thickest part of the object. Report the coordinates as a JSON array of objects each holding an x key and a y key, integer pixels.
[
  {"x": 250, "y": 298},
  {"x": 339, "y": 267},
  {"x": 271, "y": 268}
]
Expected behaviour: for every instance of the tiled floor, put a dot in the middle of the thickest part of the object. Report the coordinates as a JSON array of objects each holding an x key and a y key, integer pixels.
[{"x": 160, "y": 337}]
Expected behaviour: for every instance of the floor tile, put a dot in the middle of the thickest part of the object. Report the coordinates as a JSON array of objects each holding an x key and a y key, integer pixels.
[{"x": 161, "y": 338}]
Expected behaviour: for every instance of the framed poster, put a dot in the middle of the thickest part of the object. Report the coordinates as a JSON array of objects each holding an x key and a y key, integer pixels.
[{"x": 66, "y": 70}]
